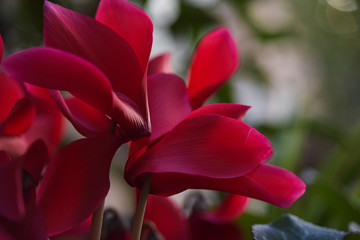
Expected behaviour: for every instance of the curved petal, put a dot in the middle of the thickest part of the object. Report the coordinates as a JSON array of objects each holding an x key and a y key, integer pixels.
[
  {"x": 81, "y": 230},
  {"x": 209, "y": 145},
  {"x": 11, "y": 197},
  {"x": 87, "y": 115},
  {"x": 277, "y": 185},
  {"x": 91, "y": 40},
  {"x": 236, "y": 111},
  {"x": 20, "y": 118},
  {"x": 35, "y": 159},
  {"x": 46, "y": 129},
  {"x": 1, "y": 48},
  {"x": 82, "y": 127},
  {"x": 215, "y": 60},
  {"x": 131, "y": 23},
  {"x": 49, "y": 123},
  {"x": 160, "y": 64},
  {"x": 231, "y": 208},
  {"x": 168, "y": 104},
  {"x": 130, "y": 117},
  {"x": 10, "y": 93},
  {"x": 201, "y": 229},
  {"x": 3, "y": 233},
  {"x": 168, "y": 218},
  {"x": 268, "y": 183},
  {"x": 31, "y": 227},
  {"x": 68, "y": 199},
  {"x": 14, "y": 145},
  {"x": 56, "y": 69}
]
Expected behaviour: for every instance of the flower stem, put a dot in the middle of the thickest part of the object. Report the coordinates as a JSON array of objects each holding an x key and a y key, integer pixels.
[
  {"x": 96, "y": 223},
  {"x": 140, "y": 209},
  {"x": 97, "y": 218}
]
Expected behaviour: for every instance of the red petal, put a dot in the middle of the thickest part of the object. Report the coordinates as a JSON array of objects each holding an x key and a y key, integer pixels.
[
  {"x": 267, "y": 183},
  {"x": 31, "y": 227},
  {"x": 82, "y": 127},
  {"x": 236, "y": 111},
  {"x": 168, "y": 103},
  {"x": 10, "y": 93},
  {"x": 35, "y": 159},
  {"x": 276, "y": 185},
  {"x": 81, "y": 230},
  {"x": 87, "y": 115},
  {"x": 209, "y": 145},
  {"x": 131, "y": 23},
  {"x": 160, "y": 64},
  {"x": 45, "y": 126},
  {"x": 76, "y": 182},
  {"x": 4, "y": 235},
  {"x": 91, "y": 40},
  {"x": 20, "y": 118},
  {"x": 48, "y": 120},
  {"x": 48, "y": 126},
  {"x": 168, "y": 218},
  {"x": 201, "y": 229},
  {"x": 215, "y": 60},
  {"x": 130, "y": 117},
  {"x": 15, "y": 146},
  {"x": 34, "y": 225},
  {"x": 231, "y": 208},
  {"x": 55, "y": 69},
  {"x": 11, "y": 197}
]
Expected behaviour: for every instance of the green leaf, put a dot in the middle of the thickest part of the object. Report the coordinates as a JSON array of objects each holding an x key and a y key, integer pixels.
[{"x": 290, "y": 227}]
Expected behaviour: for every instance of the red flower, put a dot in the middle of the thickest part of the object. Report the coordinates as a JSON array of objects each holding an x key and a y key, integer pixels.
[
  {"x": 210, "y": 147},
  {"x": 28, "y": 113},
  {"x": 20, "y": 217},
  {"x": 168, "y": 219},
  {"x": 172, "y": 224},
  {"x": 17, "y": 111},
  {"x": 102, "y": 62},
  {"x": 76, "y": 182},
  {"x": 55, "y": 203}
]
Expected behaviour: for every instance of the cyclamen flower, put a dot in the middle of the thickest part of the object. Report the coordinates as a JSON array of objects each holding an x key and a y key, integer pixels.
[
  {"x": 101, "y": 62},
  {"x": 164, "y": 219},
  {"x": 28, "y": 113},
  {"x": 20, "y": 216},
  {"x": 15, "y": 115},
  {"x": 172, "y": 224},
  {"x": 52, "y": 204},
  {"x": 210, "y": 147}
]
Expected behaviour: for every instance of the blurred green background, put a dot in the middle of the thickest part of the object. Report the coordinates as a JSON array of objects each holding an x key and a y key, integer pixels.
[{"x": 299, "y": 71}]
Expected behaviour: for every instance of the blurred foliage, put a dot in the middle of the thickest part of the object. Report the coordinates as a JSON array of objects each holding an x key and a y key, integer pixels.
[
  {"x": 334, "y": 34},
  {"x": 193, "y": 19}
]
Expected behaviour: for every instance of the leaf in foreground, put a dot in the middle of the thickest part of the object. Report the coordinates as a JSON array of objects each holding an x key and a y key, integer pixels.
[{"x": 290, "y": 227}]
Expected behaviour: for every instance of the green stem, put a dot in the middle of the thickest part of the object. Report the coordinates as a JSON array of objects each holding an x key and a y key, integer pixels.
[
  {"x": 140, "y": 209},
  {"x": 96, "y": 223},
  {"x": 97, "y": 218}
]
